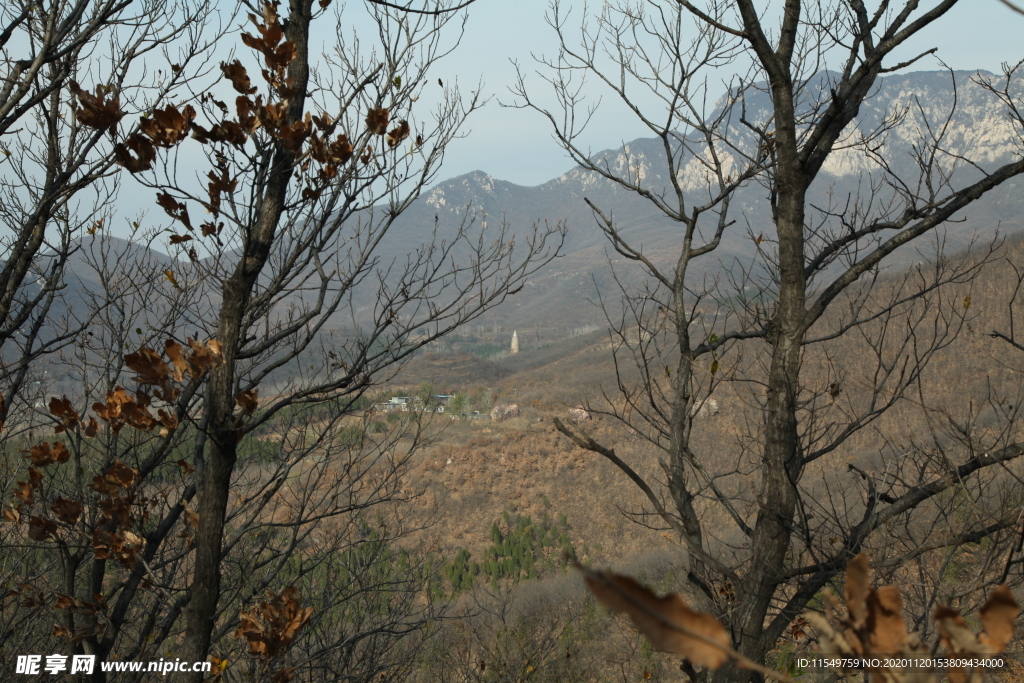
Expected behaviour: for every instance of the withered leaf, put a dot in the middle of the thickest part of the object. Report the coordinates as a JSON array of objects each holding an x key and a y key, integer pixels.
[
  {"x": 66, "y": 602},
  {"x": 24, "y": 492},
  {"x": 284, "y": 674},
  {"x": 191, "y": 516},
  {"x": 40, "y": 528},
  {"x": 149, "y": 368},
  {"x": 397, "y": 134},
  {"x": 377, "y": 121},
  {"x": 107, "y": 545},
  {"x": 856, "y": 589},
  {"x": 136, "y": 154},
  {"x": 953, "y": 631},
  {"x": 205, "y": 355},
  {"x": 322, "y": 120},
  {"x": 43, "y": 454},
  {"x": 168, "y": 126},
  {"x": 957, "y": 638},
  {"x": 97, "y": 111},
  {"x": 272, "y": 115},
  {"x": 169, "y": 275},
  {"x": 340, "y": 150},
  {"x": 236, "y": 73},
  {"x": 248, "y": 400},
  {"x": 219, "y": 184},
  {"x": 225, "y": 131},
  {"x": 174, "y": 352},
  {"x": 175, "y": 209},
  {"x": 997, "y": 617},
  {"x": 667, "y": 621},
  {"x": 293, "y": 135},
  {"x": 273, "y": 625},
  {"x": 211, "y": 228},
  {"x": 885, "y": 611},
  {"x": 117, "y": 477},
  {"x": 61, "y": 409},
  {"x": 167, "y": 420},
  {"x": 67, "y": 511}
]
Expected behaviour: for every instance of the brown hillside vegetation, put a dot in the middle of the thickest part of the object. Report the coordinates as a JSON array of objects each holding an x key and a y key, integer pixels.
[
  {"x": 312, "y": 416},
  {"x": 474, "y": 471}
]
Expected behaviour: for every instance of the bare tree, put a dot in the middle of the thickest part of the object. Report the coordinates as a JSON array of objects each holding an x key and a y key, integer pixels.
[
  {"x": 57, "y": 179},
  {"x": 58, "y": 186},
  {"x": 769, "y": 522},
  {"x": 206, "y": 494}
]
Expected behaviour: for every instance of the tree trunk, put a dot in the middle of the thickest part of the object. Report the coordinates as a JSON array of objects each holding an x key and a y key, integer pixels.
[
  {"x": 782, "y": 457},
  {"x": 220, "y": 396}
]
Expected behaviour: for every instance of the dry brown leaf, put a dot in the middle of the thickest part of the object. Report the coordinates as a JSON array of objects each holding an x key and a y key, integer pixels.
[
  {"x": 856, "y": 589},
  {"x": 148, "y": 366},
  {"x": 61, "y": 409},
  {"x": 218, "y": 185},
  {"x": 43, "y": 454},
  {"x": 175, "y": 209},
  {"x": 137, "y": 154},
  {"x": 830, "y": 641},
  {"x": 272, "y": 626},
  {"x": 113, "y": 546},
  {"x": 97, "y": 111},
  {"x": 236, "y": 73},
  {"x": 667, "y": 621},
  {"x": 248, "y": 400},
  {"x": 67, "y": 511},
  {"x": 377, "y": 121},
  {"x": 168, "y": 126},
  {"x": 191, "y": 516},
  {"x": 887, "y": 632},
  {"x": 397, "y": 134},
  {"x": 284, "y": 674},
  {"x": 997, "y": 617},
  {"x": 205, "y": 355},
  {"x": 957, "y": 638},
  {"x": 40, "y": 529},
  {"x": 23, "y": 492}
]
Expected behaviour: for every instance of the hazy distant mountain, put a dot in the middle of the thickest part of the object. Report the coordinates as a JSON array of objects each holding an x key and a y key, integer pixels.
[
  {"x": 978, "y": 129},
  {"x": 557, "y": 297}
]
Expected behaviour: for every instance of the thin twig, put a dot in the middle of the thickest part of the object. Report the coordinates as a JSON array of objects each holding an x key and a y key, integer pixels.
[{"x": 1012, "y": 6}]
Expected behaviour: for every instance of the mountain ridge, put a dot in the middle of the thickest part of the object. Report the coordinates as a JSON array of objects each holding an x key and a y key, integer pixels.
[{"x": 557, "y": 295}]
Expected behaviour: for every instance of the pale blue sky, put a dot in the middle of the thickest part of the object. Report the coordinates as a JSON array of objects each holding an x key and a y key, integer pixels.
[{"x": 516, "y": 145}]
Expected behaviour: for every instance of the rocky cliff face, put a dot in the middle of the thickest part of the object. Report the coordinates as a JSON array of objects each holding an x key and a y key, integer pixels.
[{"x": 903, "y": 112}]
